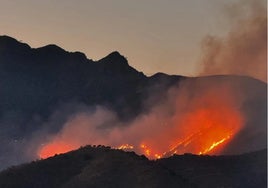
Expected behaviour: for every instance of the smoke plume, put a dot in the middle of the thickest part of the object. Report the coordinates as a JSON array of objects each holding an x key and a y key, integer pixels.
[
  {"x": 244, "y": 50},
  {"x": 200, "y": 116}
]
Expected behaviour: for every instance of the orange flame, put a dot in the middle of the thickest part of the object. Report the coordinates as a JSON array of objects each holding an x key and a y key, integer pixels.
[
  {"x": 206, "y": 125},
  {"x": 56, "y": 147},
  {"x": 215, "y": 144}
]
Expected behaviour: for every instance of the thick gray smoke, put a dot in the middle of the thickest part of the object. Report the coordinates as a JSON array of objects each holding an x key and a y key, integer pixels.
[{"x": 244, "y": 50}]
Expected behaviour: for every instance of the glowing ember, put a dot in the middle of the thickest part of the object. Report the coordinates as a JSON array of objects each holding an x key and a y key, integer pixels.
[
  {"x": 125, "y": 147},
  {"x": 157, "y": 156},
  {"x": 148, "y": 152}
]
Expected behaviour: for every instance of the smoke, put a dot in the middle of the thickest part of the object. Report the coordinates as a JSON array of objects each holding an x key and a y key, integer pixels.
[
  {"x": 201, "y": 116},
  {"x": 206, "y": 115},
  {"x": 244, "y": 50},
  {"x": 210, "y": 115}
]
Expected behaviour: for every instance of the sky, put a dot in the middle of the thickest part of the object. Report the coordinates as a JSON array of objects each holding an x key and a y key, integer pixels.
[{"x": 154, "y": 35}]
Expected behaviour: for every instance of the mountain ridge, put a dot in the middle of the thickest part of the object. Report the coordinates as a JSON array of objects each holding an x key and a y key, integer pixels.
[{"x": 41, "y": 88}]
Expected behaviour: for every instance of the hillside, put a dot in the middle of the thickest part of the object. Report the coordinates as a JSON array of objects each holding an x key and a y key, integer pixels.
[
  {"x": 41, "y": 88},
  {"x": 104, "y": 167}
]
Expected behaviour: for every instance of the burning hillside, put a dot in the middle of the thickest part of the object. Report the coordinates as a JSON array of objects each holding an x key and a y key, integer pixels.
[{"x": 198, "y": 120}]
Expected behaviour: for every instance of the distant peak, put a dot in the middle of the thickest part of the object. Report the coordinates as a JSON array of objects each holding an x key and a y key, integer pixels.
[
  {"x": 12, "y": 42},
  {"x": 159, "y": 74},
  {"x": 7, "y": 38},
  {"x": 114, "y": 57},
  {"x": 114, "y": 54},
  {"x": 52, "y": 47}
]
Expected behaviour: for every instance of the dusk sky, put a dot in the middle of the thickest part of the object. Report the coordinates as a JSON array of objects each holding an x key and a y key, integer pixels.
[{"x": 154, "y": 35}]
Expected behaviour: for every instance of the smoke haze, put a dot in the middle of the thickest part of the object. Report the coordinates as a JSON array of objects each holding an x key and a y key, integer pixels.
[
  {"x": 208, "y": 115},
  {"x": 244, "y": 50},
  {"x": 197, "y": 114}
]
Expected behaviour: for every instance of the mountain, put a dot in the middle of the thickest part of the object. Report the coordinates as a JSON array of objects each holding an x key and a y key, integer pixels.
[
  {"x": 49, "y": 75},
  {"x": 37, "y": 83},
  {"x": 40, "y": 88},
  {"x": 104, "y": 167}
]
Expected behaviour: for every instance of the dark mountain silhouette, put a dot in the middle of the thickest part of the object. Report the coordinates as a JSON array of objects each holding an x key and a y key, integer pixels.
[
  {"x": 104, "y": 167},
  {"x": 37, "y": 83},
  {"x": 49, "y": 75}
]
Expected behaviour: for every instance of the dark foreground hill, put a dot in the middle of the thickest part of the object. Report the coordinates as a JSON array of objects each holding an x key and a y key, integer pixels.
[{"x": 105, "y": 167}]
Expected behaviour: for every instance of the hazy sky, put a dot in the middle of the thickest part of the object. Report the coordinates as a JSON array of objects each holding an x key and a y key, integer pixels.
[{"x": 154, "y": 35}]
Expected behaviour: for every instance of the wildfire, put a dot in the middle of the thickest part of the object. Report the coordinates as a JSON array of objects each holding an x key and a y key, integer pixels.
[
  {"x": 125, "y": 147},
  {"x": 215, "y": 144},
  {"x": 206, "y": 139},
  {"x": 206, "y": 125},
  {"x": 53, "y": 148}
]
